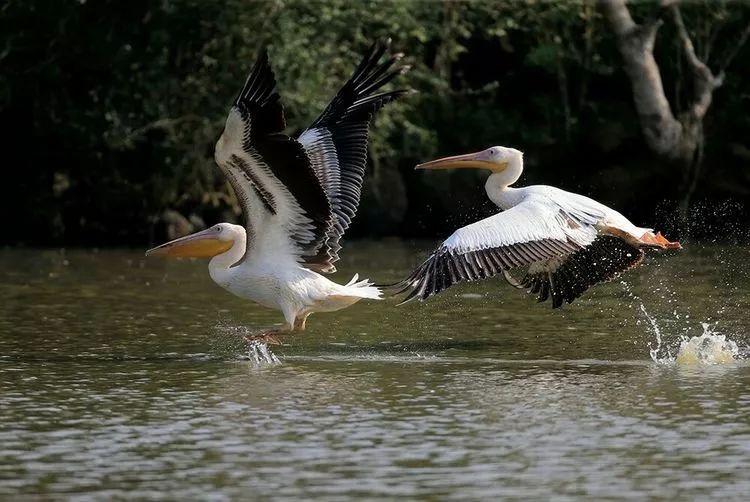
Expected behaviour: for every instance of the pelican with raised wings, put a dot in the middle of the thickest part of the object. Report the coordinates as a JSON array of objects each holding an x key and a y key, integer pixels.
[
  {"x": 298, "y": 196},
  {"x": 565, "y": 242}
]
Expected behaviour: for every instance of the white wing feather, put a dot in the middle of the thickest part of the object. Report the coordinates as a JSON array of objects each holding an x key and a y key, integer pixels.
[
  {"x": 534, "y": 219},
  {"x": 535, "y": 230}
]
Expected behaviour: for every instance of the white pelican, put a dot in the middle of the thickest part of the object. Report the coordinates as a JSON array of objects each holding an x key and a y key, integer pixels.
[
  {"x": 298, "y": 196},
  {"x": 565, "y": 241}
]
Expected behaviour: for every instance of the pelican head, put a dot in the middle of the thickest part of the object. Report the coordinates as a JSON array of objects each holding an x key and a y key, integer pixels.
[
  {"x": 207, "y": 243},
  {"x": 495, "y": 158}
]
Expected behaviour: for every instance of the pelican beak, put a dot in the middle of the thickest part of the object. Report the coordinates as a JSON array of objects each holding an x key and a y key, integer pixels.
[
  {"x": 203, "y": 244},
  {"x": 477, "y": 160}
]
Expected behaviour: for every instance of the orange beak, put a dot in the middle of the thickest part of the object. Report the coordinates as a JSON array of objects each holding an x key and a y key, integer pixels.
[
  {"x": 477, "y": 160},
  {"x": 203, "y": 244}
]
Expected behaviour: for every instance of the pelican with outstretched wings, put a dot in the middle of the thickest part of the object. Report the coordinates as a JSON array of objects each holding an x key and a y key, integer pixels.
[
  {"x": 565, "y": 242},
  {"x": 298, "y": 196}
]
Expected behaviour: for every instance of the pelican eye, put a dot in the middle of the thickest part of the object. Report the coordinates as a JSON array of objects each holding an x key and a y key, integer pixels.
[{"x": 218, "y": 229}]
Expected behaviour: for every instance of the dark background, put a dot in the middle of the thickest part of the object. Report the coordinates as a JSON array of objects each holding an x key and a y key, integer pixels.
[{"x": 110, "y": 110}]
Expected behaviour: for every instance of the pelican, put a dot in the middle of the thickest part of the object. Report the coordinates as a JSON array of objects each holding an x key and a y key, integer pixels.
[
  {"x": 565, "y": 242},
  {"x": 298, "y": 196}
]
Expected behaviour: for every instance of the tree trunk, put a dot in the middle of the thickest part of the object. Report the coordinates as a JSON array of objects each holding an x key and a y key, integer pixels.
[
  {"x": 661, "y": 130},
  {"x": 678, "y": 139},
  {"x": 691, "y": 161},
  {"x": 562, "y": 84}
]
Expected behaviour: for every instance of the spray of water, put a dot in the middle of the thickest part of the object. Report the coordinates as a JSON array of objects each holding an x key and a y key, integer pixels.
[
  {"x": 260, "y": 354},
  {"x": 654, "y": 351},
  {"x": 230, "y": 338},
  {"x": 710, "y": 347}
]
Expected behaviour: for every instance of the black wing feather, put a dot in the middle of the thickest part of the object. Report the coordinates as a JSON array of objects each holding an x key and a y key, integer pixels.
[
  {"x": 259, "y": 101},
  {"x": 601, "y": 261},
  {"x": 337, "y": 142},
  {"x": 572, "y": 269},
  {"x": 271, "y": 160},
  {"x": 435, "y": 274}
]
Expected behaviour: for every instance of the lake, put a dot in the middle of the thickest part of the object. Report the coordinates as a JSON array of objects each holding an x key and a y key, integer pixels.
[{"x": 126, "y": 377}]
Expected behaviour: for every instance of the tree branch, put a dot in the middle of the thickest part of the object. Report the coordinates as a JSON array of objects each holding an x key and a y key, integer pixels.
[
  {"x": 705, "y": 82},
  {"x": 661, "y": 129},
  {"x": 164, "y": 124},
  {"x": 699, "y": 67},
  {"x": 619, "y": 17},
  {"x": 687, "y": 43},
  {"x": 735, "y": 49},
  {"x": 713, "y": 34},
  {"x": 6, "y": 50}
]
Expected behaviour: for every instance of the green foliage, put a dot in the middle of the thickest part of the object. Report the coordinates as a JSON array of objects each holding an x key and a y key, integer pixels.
[{"x": 124, "y": 101}]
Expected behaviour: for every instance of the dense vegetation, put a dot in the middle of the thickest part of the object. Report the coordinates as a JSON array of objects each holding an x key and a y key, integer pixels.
[{"x": 111, "y": 109}]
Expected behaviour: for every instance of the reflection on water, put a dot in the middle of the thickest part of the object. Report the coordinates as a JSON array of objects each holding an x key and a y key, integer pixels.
[{"x": 125, "y": 377}]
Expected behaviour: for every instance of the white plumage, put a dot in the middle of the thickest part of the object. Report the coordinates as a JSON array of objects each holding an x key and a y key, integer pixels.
[
  {"x": 298, "y": 196},
  {"x": 565, "y": 241}
]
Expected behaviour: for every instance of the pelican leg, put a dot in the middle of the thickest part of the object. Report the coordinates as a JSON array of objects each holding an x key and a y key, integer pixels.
[
  {"x": 659, "y": 240},
  {"x": 272, "y": 337},
  {"x": 266, "y": 338},
  {"x": 299, "y": 322},
  {"x": 295, "y": 324}
]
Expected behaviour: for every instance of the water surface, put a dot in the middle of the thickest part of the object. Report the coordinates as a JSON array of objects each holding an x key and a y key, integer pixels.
[{"x": 123, "y": 376}]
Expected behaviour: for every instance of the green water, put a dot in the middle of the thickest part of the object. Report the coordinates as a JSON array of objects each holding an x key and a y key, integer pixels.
[{"x": 122, "y": 377}]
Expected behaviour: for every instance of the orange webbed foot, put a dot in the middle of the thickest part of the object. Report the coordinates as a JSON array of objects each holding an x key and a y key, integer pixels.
[
  {"x": 659, "y": 240},
  {"x": 265, "y": 339},
  {"x": 666, "y": 243}
]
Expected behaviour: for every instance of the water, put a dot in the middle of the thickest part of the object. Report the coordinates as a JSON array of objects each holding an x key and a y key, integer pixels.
[{"x": 126, "y": 377}]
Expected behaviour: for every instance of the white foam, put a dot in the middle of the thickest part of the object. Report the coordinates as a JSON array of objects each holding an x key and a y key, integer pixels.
[
  {"x": 708, "y": 348},
  {"x": 260, "y": 354}
]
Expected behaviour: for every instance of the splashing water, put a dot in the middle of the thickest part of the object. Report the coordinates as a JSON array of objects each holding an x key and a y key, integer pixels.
[
  {"x": 230, "y": 336},
  {"x": 654, "y": 351},
  {"x": 260, "y": 353},
  {"x": 708, "y": 348}
]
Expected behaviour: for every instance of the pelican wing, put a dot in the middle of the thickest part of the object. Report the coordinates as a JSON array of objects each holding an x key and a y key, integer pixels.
[
  {"x": 565, "y": 278},
  {"x": 534, "y": 231},
  {"x": 285, "y": 207},
  {"x": 336, "y": 144}
]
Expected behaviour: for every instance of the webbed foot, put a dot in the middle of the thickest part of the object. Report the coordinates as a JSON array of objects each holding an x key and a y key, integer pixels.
[{"x": 270, "y": 338}]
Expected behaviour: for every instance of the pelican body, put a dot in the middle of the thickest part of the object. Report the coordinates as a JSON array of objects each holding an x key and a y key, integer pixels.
[
  {"x": 298, "y": 196},
  {"x": 566, "y": 242}
]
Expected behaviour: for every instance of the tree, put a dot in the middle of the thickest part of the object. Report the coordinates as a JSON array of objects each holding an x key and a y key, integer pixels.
[{"x": 677, "y": 136}]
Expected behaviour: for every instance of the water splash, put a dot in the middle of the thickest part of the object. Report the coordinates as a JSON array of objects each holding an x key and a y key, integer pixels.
[
  {"x": 230, "y": 338},
  {"x": 260, "y": 353},
  {"x": 654, "y": 351},
  {"x": 708, "y": 348}
]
